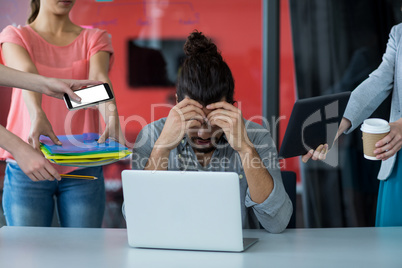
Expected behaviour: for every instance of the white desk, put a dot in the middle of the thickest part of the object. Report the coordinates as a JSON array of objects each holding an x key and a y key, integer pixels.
[{"x": 95, "y": 248}]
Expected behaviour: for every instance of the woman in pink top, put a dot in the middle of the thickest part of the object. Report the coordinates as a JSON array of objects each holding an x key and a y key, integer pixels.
[{"x": 53, "y": 46}]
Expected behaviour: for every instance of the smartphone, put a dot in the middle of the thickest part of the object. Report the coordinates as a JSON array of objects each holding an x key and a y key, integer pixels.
[{"x": 90, "y": 96}]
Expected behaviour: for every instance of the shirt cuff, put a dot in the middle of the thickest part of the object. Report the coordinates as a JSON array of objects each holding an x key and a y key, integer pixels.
[{"x": 271, "y": 205}]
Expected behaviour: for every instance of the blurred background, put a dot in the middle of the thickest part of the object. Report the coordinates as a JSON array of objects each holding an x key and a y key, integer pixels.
[{"x": 278, "y": 51}]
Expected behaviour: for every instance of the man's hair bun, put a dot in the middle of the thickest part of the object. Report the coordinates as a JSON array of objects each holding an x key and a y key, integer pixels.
[
  {"x": 197, "y": 45},
  {"x": 204, "y": 76}
]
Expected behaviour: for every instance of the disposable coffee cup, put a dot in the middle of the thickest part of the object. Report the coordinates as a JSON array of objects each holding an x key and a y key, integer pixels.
[{"x": 373, "y": 129}]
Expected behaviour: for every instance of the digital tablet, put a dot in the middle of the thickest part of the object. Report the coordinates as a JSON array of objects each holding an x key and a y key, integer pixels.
[{"x": 313, "y": 121}]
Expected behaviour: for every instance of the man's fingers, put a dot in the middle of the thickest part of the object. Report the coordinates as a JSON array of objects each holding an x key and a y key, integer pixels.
[
  {"x": 194, "y": 116},
  {"x": 192, "y": 109},
  {"x": 193, "y": 123},
  {"x": 222, "y": 112},
  {"x": 220, "y": 121},
  {"x": 187, "y": 102},
  {"x": 222, "y": 124},
  {"x": 222, "y": 104}
]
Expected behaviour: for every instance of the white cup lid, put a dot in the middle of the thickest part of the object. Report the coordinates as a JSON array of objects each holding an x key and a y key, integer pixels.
[{"x": 375, "y": 126}]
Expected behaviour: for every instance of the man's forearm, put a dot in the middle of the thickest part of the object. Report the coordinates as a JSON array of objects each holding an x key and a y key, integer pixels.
[
  {"x": 158, "y": 160},
  {"x": 260, "y": 182}
]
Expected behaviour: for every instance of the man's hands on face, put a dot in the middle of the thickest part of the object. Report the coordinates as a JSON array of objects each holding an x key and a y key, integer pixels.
[
  {"x": 185, "y": 115},
  {"x": 230, "y": 119}
]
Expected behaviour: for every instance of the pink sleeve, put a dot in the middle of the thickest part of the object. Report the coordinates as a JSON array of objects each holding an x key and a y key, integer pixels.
[
  {"x": 101, "y": 41},
  {"x": 14, "y": 35}
]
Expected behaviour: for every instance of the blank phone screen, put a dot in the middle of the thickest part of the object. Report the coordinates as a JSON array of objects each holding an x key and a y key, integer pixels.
[{"x": 91, "y": 95}]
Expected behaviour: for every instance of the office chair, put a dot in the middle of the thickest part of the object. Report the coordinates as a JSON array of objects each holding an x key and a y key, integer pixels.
[{"x": 289, "y": 181}]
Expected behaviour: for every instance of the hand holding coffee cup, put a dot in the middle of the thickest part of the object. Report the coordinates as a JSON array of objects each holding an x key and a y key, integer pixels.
[{"x": 373, "y": 129}]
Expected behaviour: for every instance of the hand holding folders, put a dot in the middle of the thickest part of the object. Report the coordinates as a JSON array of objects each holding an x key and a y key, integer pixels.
[{"x": 83, "y": 151}]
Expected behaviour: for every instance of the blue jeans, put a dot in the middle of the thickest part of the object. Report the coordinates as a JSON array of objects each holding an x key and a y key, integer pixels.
[{"x": 80, "y": 203}]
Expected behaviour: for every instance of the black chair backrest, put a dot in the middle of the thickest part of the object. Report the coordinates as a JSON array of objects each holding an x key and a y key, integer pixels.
[{"x": 289, "y": 181}]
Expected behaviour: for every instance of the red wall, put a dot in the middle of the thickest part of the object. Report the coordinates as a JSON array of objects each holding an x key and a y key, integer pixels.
[{"x": 234, "y": 25}]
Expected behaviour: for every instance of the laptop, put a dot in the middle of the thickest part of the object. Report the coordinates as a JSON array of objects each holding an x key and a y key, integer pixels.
[
  {"x": 186, "y": 210},
  {"x": 313, "y": 121}
]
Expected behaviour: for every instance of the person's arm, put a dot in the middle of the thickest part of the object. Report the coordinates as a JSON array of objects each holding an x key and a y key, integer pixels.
[
  {"x": 158, "y": 159},
  {"x": 143, "y": 146},
  {"x": 31, "y": 162},
  {"x": 52, "y": 87},
  {"x": 230, "y": 119},
  {"x": 266, "y": 193},
  {"x": 259, "y": 180},
  {"x": 98, "y": 70},
  {"x": 366, "y": 98},
  {"x": 18, "y": 58},
  {"x": 320, "y": 153},
  {"x": 186, "y": 114},
  {"x": 276, "y": 210}
]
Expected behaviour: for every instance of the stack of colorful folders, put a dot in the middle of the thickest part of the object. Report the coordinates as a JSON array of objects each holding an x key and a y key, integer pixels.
[{"x": 83, "y": 150}]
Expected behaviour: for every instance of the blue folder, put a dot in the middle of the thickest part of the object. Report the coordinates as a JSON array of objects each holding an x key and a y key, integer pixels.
[{"x": 81, "y": 144}]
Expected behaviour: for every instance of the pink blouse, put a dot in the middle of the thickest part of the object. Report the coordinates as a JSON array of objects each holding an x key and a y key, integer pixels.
[{"x": 68, "y": 62}]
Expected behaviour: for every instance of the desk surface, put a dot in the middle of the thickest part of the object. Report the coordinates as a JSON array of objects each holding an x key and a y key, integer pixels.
[{"x": 96, "y": 248}]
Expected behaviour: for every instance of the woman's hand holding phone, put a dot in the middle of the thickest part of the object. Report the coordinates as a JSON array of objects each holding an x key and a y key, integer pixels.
[
  {"x": 58, "y": 87},
  {"x": 90, "y": 96}
]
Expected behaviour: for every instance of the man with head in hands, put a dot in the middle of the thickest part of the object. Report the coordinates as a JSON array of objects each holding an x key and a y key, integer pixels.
[{"x": 206, "y": 132}]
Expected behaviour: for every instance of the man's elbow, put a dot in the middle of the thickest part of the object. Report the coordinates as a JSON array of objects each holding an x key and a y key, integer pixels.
[{"x": 281, "y": 220}]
